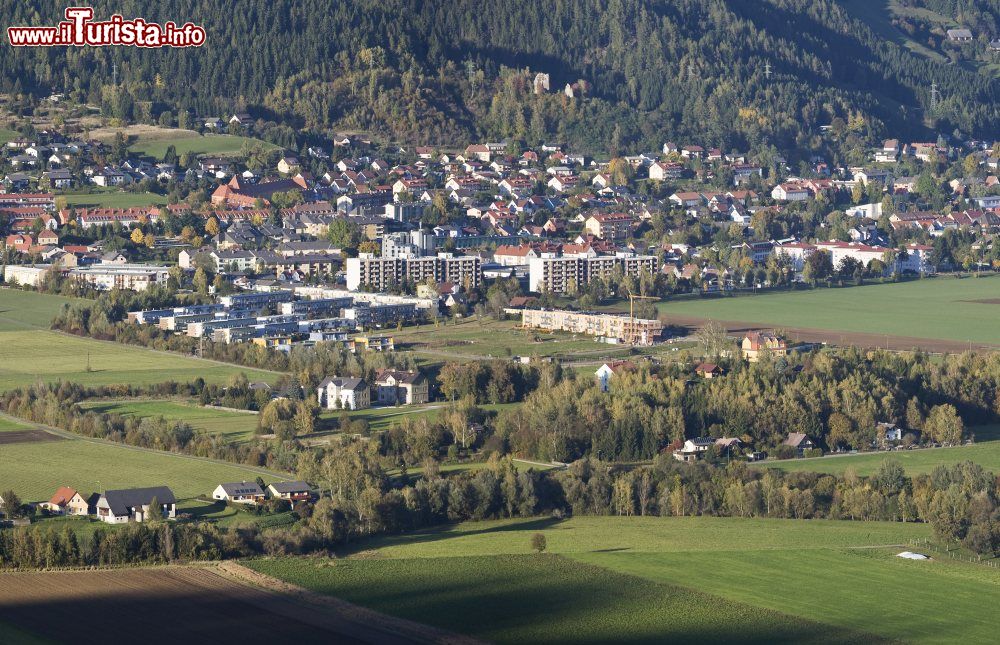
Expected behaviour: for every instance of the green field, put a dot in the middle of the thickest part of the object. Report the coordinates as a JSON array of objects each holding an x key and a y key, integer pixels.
[
  {"x": 933, "y": 308},
  {"x": 112, "y": 198},
  {"x": 916, "y": 462},
  {"x": 29, "y": 310},
  {"x": 221, "y": 145},
  {"x": 233, "y": 426},
  {"x": 28, "y": 353},
  {"x": 7, "y": 135},
  {"x": 35, "y": 470},
  {"x": 829, "y": 579},
  {"x": 27, "y": 357}
]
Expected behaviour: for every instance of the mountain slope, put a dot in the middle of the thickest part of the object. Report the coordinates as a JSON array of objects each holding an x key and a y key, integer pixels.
[{"x": 728, "y": 72}]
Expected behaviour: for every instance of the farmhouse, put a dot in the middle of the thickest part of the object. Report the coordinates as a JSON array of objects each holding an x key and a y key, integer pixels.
[
  {"x": 799, "y": 441},
  {"x": 290, "y": 491},
  {"x": 125, "y": 505},
  {"x": 239, "y": 493},
  {"x": 756, "y": 344},
  {"x": 708, "y": 370},
  {"x": 67, "y": 501}
]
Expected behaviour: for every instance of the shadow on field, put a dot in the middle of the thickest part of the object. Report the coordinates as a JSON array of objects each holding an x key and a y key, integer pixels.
[{"x": 447, "y": 533}]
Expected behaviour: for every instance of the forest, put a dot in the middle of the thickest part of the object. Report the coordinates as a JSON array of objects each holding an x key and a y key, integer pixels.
[{"x": 734, "y": 74}]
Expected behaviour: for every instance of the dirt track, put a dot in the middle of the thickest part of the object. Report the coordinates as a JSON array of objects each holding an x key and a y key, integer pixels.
[
  {"x": 26, "y": 436},
  {"x": 189, "y": 604},
  {"x": 832, "y": 337}
]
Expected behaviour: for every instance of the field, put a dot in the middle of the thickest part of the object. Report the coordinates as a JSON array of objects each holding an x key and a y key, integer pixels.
[
  {"x": 473, "y": 339},
  {"x": 30, "y": 356},
  {"x": 28, "y": 310},
  {"x": 153, "y": 141},
  {"x": 916, "y": 462},
  {"x": 610, "y": 578},
  {"x": 35, "y": 469},
  {"x": 7, "y": 135},
  {"x": 944, "y": 313},
  {"x": 112, "y": 198},
  {"x": 878, "y": 16},
  {"x": 163, "y": 605},
  {"x": 233, "y": 426}
]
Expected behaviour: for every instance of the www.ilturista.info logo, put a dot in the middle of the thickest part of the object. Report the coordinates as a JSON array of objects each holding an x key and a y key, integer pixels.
[{"x": 79, "y": 30}]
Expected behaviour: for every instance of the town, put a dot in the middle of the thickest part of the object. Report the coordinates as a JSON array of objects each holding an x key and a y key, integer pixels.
[{"x": 598, "y": 321}]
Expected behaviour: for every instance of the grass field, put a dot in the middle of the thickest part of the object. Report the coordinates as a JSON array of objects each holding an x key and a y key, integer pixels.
[
  {"x": 878, "y": 15},
  {"x": 35, "y": 470},
  {"x": 30, "y": 356},
  {"x": 938, "y": 308},
  {"x": 29, "y": 353},
  {"x": 153, "y": 141},
  {"x": 831, "y": 579},
  {"x": 29, "y": 310},
  {"x": 233, "y": 426},
  {"x": 7, "y": 135},
  {"x": 113, "y": 198},
  {"x": 916, "y": 462}
]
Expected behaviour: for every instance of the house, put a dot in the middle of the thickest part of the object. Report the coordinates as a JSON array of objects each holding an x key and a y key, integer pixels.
[
  {"x": 708, "y": 370},
  {"x": 890, "y": 432},
  {"x": 394, "y": 387},
  {"x": 687, "y": 200},
  {"x": 288, "y": 165},
  {"x": 755, "y": 344},
  {"x": 790, "y": 192},
  {"x": 290, "y": 491},
  {"x": 47, "y": 237},
  {"x": 693, "y": 449},
  {"x": 125, "y": 505},
  {"x": 67, "y": 501},
  {"x": 608, "y": 226},
  {"x": 337, "y": 393},
  {"x": 605, "y": 372},
  {"x": 799, "y": 441},
  {"x": 239, "y": 493},
  {"x": 959, "y": 35}
]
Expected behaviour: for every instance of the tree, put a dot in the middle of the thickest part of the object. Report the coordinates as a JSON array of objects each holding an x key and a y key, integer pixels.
[
  {"x": 201, "y": 281},
  {"x": 944, "y": 425},
  {"x": 137, "y": 237},
  {"x": 212, "y": 226},
  {"x": 714, "y": 338},
  {"x": 538, "y": 543},
  {"x": 11, "y": 504}
]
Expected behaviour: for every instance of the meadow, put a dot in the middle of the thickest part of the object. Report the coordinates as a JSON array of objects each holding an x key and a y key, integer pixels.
[
  {"x": 986, "y": 453},
  {"x": 35, "y": 469},
  {"x": 112, "y": 198},
  {"x": 944, "y": 308},
  {"x": 232, "y": 426},
  {"x": 29, "y": 310},
  {"x": 610, "y": 578},
  {"x": 27, "y": 357},
  {"x": 153, "y": 141}
]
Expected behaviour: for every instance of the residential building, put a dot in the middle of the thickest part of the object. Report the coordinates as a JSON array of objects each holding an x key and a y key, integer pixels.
[
  {"x": 611, "y": 327},
  {"x": 337, "y": 393},
  {"x": 608, "y": 226},
  {"x": 607, "y": 371},
  {"x": 395, "y": 387},
  {"x": 756, "y": 344},
  {"x": 562, "y": 274},
  {"x": 133, "y": 504},
  {"x": 381, "y": 272},
  {"x": 239, "y": 493},
  {"x": 67, "y": 501},
  {"x": 296, "y": 491}
]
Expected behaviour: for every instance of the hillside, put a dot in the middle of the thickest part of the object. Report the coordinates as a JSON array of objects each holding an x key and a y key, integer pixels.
[{"x": 726, "y": 72}]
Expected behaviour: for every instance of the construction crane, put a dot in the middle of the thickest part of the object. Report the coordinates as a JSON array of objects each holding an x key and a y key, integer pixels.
[
  {"x": 631, "y": 303},
  {"x": 633, "y": 335}
]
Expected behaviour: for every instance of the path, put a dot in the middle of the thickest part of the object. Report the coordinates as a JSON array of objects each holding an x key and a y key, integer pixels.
[{"x": 65, "y": 434}]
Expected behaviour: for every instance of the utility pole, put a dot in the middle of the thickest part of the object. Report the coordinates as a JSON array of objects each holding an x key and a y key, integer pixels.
[
  {"x": 935, "y": 97},
  {"x": 767, "y": 69},
  {"x": 114, "y": 74}
]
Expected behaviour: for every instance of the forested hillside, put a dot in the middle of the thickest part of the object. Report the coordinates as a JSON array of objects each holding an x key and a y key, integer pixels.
[{"x": 724, "y": 72}]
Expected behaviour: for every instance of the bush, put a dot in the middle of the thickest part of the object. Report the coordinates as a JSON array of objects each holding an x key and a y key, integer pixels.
[{"x": 538, "y": 542}]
